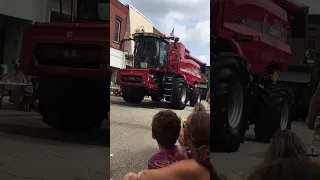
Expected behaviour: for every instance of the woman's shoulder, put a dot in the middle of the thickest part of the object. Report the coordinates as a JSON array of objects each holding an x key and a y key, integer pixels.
[
  {"x": 191, "y": 168},
  {"x": 184, "y": 170}
]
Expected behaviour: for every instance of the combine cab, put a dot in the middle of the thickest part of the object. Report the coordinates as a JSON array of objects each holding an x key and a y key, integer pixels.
[
  {"x": 249, "y": 47},
  {"x": 162, "y": 70},
  {"x": 70, "y": 59}
]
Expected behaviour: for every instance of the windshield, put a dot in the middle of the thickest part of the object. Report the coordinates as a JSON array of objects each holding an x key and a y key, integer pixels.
[
  {"x": 93, "y": 10},
  {"x": 150, "y": 52}
]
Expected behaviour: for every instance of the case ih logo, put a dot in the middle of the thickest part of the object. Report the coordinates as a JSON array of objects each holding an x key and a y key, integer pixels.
[{"x": 69, "y": 34}]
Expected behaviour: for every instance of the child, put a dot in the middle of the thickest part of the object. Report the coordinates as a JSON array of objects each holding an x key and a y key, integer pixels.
[{"x": 165, "y": 129}]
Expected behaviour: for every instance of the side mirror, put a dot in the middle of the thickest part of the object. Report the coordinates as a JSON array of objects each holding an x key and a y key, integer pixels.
[
  {"x": 203, "y": 68},
  {"x": 176, "y": 42}
]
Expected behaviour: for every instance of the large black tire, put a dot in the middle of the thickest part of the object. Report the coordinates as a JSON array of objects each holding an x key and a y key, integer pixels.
[
  {"x": 203, "y": 93},
  {"x": 69, "y": 121},
  {"x": 230, "y": 102},
  {"x": 132, "y": 94},
  {"x": 65, "y": 107},
  {"x": 195, "y": 96},
  {"x": 272, "y": 110},
  {"x": 179, "y": 94},
  {"x": 301, "y": 100}
]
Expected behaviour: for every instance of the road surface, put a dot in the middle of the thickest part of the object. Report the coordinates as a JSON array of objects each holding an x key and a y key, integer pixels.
[
  {"x": 132, "y": 144},
  {"x": 31, "y": 150}
]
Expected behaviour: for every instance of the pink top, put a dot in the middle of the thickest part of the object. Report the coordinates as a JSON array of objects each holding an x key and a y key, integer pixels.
[{"x": 167, "y": 157}]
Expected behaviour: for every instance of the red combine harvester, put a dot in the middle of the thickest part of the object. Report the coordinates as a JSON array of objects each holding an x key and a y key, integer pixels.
[
  {"x": 249, "y": 46},
  {"x": 162, "y": 70},
  {"x": 70, "y": 58}
]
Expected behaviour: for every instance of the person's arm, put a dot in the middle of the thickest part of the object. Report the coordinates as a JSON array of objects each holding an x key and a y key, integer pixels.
[
  {"x": 182, "y": 170},
  {"x": 313, "y": 108}
]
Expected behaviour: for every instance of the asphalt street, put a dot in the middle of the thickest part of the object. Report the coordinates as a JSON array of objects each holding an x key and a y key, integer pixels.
[
  {"x": 31, "y": 150},
  {"x": 132, "y": 144}
]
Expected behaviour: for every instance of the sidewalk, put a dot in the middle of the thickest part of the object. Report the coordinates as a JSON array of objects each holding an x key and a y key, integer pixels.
[{"x": 10, "y": 109}]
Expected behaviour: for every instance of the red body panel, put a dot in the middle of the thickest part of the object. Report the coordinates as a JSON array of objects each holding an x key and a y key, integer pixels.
[
  {"x": 56, "y": 33},
  {"x": 262, "y": 18},
  {"x": 182, "y": 62}
]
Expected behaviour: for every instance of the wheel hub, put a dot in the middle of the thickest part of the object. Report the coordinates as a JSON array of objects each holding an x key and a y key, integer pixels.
[
  {"x": 284, "y": 116},
  {"x": 235, "y": 108},
  {"x": 184, "y": 95}
]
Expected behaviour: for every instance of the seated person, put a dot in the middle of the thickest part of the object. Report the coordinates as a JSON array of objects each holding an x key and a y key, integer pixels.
[
  {"x": 286, "y": 144},
  {"x": 288, "y": 169},
  {"x": 197, "y": 108},
  {"x": 165, "y": 129}
]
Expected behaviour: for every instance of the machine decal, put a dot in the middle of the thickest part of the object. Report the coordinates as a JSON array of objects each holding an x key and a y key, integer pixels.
[
  {"x": 191, "y": 70},
  {"x": 260, "y": 26}
]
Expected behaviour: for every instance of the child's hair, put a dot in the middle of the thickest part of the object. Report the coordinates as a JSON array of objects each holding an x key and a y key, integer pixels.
[
  {"x": 286, "y": 144},
  {"x": 289, "y": 169},
  {"x": 166, "y": 127},
  {"x": 199, "y": 107},
  {"x": 198, "y": 126}
]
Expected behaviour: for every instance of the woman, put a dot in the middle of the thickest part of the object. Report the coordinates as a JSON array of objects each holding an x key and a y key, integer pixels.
[
  {"x": 197, "y": 137},
  {"x": 286, "y": 145},
  {"x": 286, "y": 169},
  {"x": 197, "y": 108}
]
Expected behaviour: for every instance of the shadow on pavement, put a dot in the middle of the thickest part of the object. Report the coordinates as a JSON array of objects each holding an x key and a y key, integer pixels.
[
  {"x": 99, "y": 137},
  {"x": 143, "y": 104},
  {"x": 247, "y": 137},
  {"x": 251, "y": 138}
]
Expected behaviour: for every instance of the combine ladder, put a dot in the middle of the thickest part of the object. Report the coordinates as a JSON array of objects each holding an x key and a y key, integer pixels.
[{"x": 168, "y": 82}]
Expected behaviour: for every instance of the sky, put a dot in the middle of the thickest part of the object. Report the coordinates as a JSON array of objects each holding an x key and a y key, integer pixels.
[
  {"x": 190, "y": 20},
  {"x": 313, "y": 5}
]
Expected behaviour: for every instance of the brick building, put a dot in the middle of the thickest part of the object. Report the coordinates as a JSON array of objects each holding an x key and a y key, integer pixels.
[{"x": 118, "y": 22}]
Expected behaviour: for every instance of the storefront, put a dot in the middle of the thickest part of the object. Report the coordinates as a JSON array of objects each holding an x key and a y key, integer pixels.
[{"x": 117, "y": 61}]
